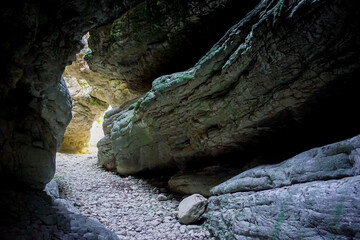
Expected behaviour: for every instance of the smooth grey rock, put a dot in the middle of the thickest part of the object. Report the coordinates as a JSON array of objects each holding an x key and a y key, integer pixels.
[
  {"x": 52, "y": 189},
  {"x": 337, "y": 160},
  {"x": 266, "y": 84},
  {"x": 314, "y": 210},
  {"x": 191, "y": 208}
]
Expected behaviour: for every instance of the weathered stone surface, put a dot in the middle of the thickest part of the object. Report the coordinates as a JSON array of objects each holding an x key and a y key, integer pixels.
[
  {"x": 39, "y": 39},
  {"x": 274, "y": 78},
  {"x": 112, "y": 91},
  {"x": 191, "y": 208},
  {"x": 32, "y": 134},
  {"x": 314, "y": 210},
  {"x": 160, "y": 37},
  {"x": 333, "y": 161},
  {"x": 86, "y": 109},
  {"x": 200, "y": 180}
]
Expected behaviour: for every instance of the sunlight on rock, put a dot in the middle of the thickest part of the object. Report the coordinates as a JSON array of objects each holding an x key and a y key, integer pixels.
[{"x": 96, "y": 132}]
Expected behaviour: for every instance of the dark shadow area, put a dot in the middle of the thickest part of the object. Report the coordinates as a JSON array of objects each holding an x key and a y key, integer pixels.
[{"x": 27, "y": 214}]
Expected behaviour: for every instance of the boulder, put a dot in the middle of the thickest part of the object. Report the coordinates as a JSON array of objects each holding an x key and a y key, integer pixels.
[
  {"x": 313, "y": 210},
  {"x": 191, "y": 208},
  {"x": 159, "y": 37},
  {"x": 273, "y": 80}
]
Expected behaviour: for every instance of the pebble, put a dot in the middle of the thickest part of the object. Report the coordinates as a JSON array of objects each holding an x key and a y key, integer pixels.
[
  {"x": 130, "y": 207},
  {"x": 162, "y": 197}
]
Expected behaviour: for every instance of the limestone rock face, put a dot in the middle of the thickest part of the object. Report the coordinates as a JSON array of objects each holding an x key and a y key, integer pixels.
[
  {"x": 333, "y": 161},
  {"x": 91, "y": 94},
  {"x": 86, "y": 109},
  {"x": 108, "y": 90},
  {"x": 313, "y": 195},
  {"x": 160, "y": 37},
  {"x": 274, "y": 78},
  {"x": 41, "y": 38},
  {"x": 312, "y": 210}
]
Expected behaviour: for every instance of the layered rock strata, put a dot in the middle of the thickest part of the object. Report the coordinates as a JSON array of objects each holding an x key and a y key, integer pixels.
[
  {"x": 86, "y": 109},
  {"x": 39, "y": 39},
  {"x": 160, "y": 37},
  {"x": 314, "y": 195},
  {"x": 91, "y": 94},
  {"x": 334, "y": 161},
  {"x": 106, "y": 89},
  {"x": 285, "y": 72}
]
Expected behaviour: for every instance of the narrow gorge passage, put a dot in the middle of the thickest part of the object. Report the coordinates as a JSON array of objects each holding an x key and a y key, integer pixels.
[{"x": 128, "y": 206}]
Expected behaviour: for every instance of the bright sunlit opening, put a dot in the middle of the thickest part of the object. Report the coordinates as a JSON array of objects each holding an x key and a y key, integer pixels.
[{"x": 96, "y": 132}]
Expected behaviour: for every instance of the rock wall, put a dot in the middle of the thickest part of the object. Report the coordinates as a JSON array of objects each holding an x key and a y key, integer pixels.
[
  {"x": 86, "y": 109},
  {"x": 89, "y": 101},
  {"x": 287, "y": 71},
  {"x": 335, "y": 161},
  {"x": 314, "y": 195},
  {"x": 103, "y": 88},
  {"x": 160, "y": 37},
  {"x": 39, "y": 39}
]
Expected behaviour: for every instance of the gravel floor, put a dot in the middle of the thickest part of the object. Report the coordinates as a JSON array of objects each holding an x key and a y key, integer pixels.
[{"x": 130, "y": 207}]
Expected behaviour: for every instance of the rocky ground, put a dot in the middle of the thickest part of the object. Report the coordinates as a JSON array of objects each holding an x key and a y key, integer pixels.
[{"x": 131, "y": 207}]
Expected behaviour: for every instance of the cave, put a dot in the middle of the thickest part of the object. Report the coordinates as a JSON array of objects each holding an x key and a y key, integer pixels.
[{"x": 251, "y": 104}]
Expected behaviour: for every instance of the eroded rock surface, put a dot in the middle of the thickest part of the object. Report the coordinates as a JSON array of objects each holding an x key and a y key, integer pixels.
[
  {"x": 106, "y": 89},
  {"x": 333, "y": 161},
  {"x": 160, "y": 37},
  {"x": 274, "y": 78},
  {"x": 314, "y": 210},
  {"x": 91, "y": 94},
  {"x": 41, "y": 38},
  {"x": 314, "y": 195},
  {"x": 86, "y": 109}
]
